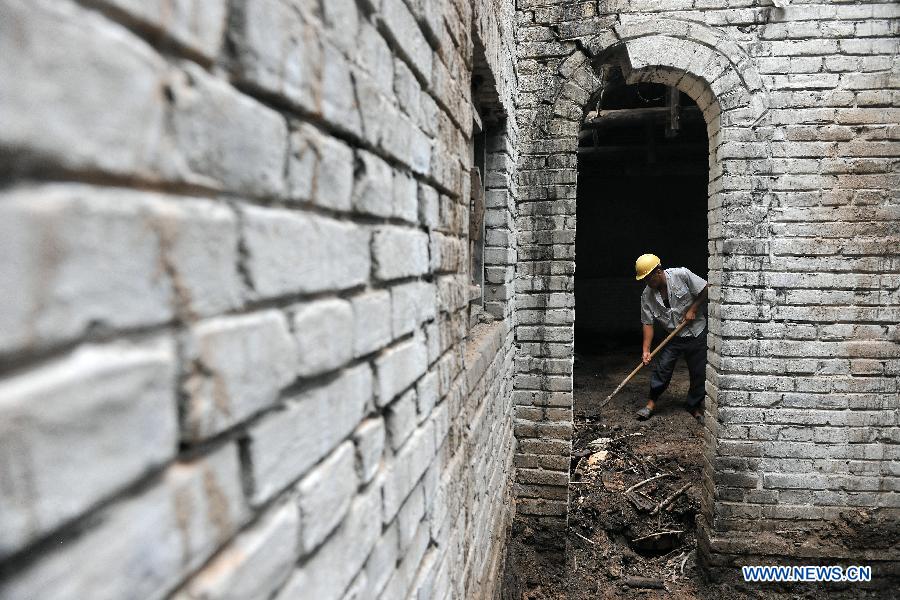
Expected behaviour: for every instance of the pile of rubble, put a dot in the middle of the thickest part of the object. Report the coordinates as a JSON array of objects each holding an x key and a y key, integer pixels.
[{"x": 632, "y": 513}]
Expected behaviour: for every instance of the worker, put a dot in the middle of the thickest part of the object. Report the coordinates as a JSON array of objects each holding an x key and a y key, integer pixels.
[{"x": 673, "y": 296}]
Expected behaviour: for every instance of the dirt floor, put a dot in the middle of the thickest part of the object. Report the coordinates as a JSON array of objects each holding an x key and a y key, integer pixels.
[{"x": 634, "y": 497}]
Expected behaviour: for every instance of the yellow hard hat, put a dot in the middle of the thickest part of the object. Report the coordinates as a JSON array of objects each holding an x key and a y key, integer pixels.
[{"x": 645, "y": 265}]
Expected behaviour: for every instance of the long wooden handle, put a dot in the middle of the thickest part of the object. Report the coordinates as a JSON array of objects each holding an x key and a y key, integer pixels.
[{"x": 641, "y": 364}]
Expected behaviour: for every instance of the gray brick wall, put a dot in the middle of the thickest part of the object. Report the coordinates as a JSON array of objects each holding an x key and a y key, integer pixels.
[
  {"x": 240, "y": 354},
  {"x": 802, "y": 109},
  {"x": 238, "y": 357}
]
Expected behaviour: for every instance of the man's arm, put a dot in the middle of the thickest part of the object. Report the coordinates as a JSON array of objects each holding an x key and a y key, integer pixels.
[
  {"x": 645, "y": 347},
  {"x": 691, "y": 312}
]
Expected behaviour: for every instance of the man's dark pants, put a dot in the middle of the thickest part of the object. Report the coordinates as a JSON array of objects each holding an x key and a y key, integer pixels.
[{"x": 694, "y": 351}]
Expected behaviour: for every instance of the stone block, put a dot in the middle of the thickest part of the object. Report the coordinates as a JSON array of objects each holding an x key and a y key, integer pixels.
[
  {"x": 427, "y": 395},
  {"x": 429, "y": 206},
  {"x": 373, "y": 192},
  {"x": 401, "y": 27},
  {"x": 279, "y": 50},
  {"x": 324, "y": 496},
  {"x": 254, "y": 564},
  {"x": 409, "y": 306},
  {"x": 410, "y": 517},
  {"x": 79, "y": 428},
  {"x": 399, "y": 252},
  {"x": 406, "y": 197},
  {"x": 285, "y": 444},
  {"x": 323, "y": 330},
  {"x": 431, "y": 14},
  {"x": 342, "y": 23},
  {"x": 226, "y": 139},
  {"x": 238, "y": 365},
  {"x": 78, "y": 257},
  {"x": 371, "y": 321},
  {"x": 293, "y": 252},
  {"x": 199, "y": 242},
  {"x": 408, "y": 91},
  {"x": 359, "y": 588},
  {"x": 369, "y": 440},
  {"x": 407, "y": 467},
  {"x": 198, "y": 25},
  {"x": 383, "y": 560},
  {"x": 107, "y": 65},
  {"x": 399, "y": 367},
  {"x": 338, "y": 95},
  {"x": 320, "y": 169},
  {"x": 376, "y": 58},
  {"x": 144, "y": 546},
  {"x": 330, "y": 570},
  {"x": 448, "y": 253},
  {"x": 401, "y": 418},
  {"x": 402, "y": 578}
]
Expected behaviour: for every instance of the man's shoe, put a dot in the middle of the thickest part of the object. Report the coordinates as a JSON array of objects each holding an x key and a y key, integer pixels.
[{"x": 644, "y": 414}]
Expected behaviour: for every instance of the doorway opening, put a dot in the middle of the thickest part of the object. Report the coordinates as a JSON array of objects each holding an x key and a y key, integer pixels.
[{"x": 642, "y": 188}]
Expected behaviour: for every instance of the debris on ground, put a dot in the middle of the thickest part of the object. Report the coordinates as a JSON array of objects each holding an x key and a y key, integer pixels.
[{"x": 634, "y": 497}]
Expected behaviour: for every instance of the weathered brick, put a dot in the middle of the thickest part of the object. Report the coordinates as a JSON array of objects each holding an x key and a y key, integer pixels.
[
  {"x": 429, "y": 200},
  {"x": 406, "y": 197},
  {"x": 369, "y": 440},
  {"x": 290, "y": 252},
  {"x": 427, "y": 395},
  {"x": 342, "y": 22},
  {"x": 104, "y": 268},
  {"x": 330, "y": 570},
  {"x": 407, "y": 468},
  {"x": 402, "y": 28},
  {"x": 323, "y": 331},
  {"x": 254, "y": 564},
  {"x": 320, "y": 169},
  {"x": 338, "y": 104},
  {"x": 373, "y": 191},
  {"x": 278, "y": 50},
  {"x": 199, "y": 243},
  {"x": 84, "y": 52},
  {"x": 403, "y": 576},
  {"x": 401, "y": 418},
  {"x": 411, "y": 304},
  {"x": 399, "y": 367},
  {"x": 324, "y": 496},
  {"x": 224, "y": 138},
  {"x": 410, "y": 517},
  {"x": 372, "y": 322},
  {"x": 238, "y": 366},
  {"x": 195, "y": 24},
  {"x": 79, "y": 428},
  {"x": 399, "y": 252},
  {"x": 383, "y": 560},
  {"x": 376, "y": 58},
  {"x": 284, "y": 444},
  {"x": 168, "y": 530}
]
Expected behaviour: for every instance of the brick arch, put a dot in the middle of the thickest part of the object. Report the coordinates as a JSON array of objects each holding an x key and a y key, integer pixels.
[
  {"x": 705, "y": 57},
  {"x": 719, "y": 76}
]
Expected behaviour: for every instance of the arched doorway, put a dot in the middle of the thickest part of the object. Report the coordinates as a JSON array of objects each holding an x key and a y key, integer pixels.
[
  {"x": 642, "y": 187},
  {"x": 715, "y": 75}
]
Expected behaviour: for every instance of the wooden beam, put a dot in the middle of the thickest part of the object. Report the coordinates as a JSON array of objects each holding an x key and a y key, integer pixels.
[
  {"x": 641, "y": 149},
  {"x": 636, "y": 115}
]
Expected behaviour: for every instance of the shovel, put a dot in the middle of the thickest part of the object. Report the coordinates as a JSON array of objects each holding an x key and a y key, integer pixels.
[{"x": 641, "y": 364}]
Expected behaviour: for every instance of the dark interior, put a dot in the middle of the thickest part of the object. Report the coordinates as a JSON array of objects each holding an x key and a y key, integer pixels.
[{"x": 642, "y": 187}]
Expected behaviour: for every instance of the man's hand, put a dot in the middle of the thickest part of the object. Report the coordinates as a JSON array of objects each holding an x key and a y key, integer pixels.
[
  {"x": 645, "y": 357},
  {"x": 691, "y": 312}
]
